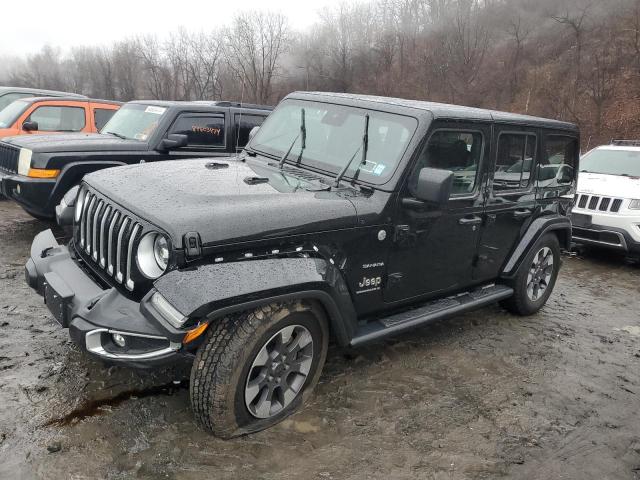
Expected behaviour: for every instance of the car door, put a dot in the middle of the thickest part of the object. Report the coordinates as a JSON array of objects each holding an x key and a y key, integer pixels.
[
  {"x": 56, "y": 116},
  {"x": 207, "y": 135},
  {"x": 511, "y": 200},
  {"x": 434, "y": 248}
]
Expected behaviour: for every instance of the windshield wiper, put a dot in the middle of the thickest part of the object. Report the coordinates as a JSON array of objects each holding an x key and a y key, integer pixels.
[
  {"x": 364, "y": 146},
  {"x": 117, "y": 135},
  {"x": 302, "y": 133}
]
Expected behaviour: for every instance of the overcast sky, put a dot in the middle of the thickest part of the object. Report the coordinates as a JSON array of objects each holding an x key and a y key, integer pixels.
[{"x": 67, "y": 23}]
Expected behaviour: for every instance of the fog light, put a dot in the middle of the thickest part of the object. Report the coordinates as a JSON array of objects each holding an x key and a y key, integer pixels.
[{"x": 118, "y": 340}]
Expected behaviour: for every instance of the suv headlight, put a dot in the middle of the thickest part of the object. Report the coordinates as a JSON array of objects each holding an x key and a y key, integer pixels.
[
  {"x": 634, "y": 205},
  {"x": 24, "y": 161},
  {"x": 153, "y": 255}
]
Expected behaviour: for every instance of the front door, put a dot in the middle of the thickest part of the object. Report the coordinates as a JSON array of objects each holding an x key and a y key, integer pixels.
[
  {"x": 511, "y": 199},
  {"x": 435, "y": 249}
]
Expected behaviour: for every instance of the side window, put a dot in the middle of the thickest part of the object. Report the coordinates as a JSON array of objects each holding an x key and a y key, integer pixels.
[
  {"x": 559, "y": 161},
  {"x": 457, "y": 151},
  {"x": 10, "y": 97},
  {"x": 244, "y": 123},
  {"x": 102, "y": 116},
  {"x": 515, "y": 161},
  {"x": 204, "y": 131},
  {"x": 59, "y": 119}
]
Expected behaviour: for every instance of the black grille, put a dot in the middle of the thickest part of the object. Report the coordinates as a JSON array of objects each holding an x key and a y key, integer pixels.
[
  {"x": 106, "y": 237},
  {"x": 602, "y": 204},
  {"x": 9, "y": 158},
  {"x": 610, "y": 238},
  {"x": 617, "y": 203}
]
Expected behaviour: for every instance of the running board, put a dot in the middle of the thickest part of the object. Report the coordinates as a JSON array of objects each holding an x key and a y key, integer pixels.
[{"x": 430, "y": 312}]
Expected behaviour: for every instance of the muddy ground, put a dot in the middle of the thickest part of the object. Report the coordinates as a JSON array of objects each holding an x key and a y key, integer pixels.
[{"x": 485, "y": 395}]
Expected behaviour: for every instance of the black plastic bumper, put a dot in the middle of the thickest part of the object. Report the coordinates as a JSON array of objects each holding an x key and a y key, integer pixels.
[
  {"x": 36, "y": 195},
  {"x": 93, "y": 314},
  {"x": 606, "y": 237}
]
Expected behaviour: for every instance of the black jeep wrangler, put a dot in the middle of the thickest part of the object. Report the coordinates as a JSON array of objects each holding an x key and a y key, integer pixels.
[
  {"x": 140, "y": 131},
  {"x": 349, "y": 217}
]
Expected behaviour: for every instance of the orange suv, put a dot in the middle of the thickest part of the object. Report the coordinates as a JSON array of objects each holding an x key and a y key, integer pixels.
[{"x": 29, "y": 116}]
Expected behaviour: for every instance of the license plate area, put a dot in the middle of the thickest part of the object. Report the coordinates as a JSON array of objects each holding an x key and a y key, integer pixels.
[
  {"x": 581, "y": 220},
  {"x": 58, "y": 296}
]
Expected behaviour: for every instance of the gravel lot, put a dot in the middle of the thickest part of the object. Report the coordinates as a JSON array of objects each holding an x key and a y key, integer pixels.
[{"x": 485, "y": 395}]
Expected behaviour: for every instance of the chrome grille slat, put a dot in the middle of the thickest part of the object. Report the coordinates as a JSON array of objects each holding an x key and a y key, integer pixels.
[
  {"x": 114, "y": 221},
  {"x": 132, "y": 238},
  {"x": 123, "y": 228},
  {"x": 96, "y": 219},
  {"x": 87, "y": 237},
  {"x": 103, "y": 224},
  {"x": 107, "y": 238},
  {"x": 83, "y": 221}
]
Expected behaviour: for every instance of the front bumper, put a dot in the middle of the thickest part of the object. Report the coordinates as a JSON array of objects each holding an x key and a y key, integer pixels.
[
  {"x": 38, "y": 196},
  {"x": 606, "y": 236},
  {"x": 93, "y": 314}
]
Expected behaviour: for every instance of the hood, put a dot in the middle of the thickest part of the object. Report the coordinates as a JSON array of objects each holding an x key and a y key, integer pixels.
[
  {"x": 218, "y": 203},
  {"x": 609, "y": 185},
  {"x": 75, "y": 142}
]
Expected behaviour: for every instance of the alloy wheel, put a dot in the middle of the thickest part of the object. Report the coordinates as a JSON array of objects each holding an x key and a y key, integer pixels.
[
  {"x": 279, "y": 371},
  {"x": 540, "y": 274}
]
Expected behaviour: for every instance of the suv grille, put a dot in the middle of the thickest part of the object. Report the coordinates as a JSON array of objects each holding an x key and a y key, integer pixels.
[
  {"x": 597, "y": 203},
  {"x": 106, "y": 237},
  {"x": 9, "y": 158}
]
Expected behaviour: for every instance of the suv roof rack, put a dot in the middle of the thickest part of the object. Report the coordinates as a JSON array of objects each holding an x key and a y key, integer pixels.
[
  {"x": 626, "y": 143},
  {"x": 225, "y": 103}
]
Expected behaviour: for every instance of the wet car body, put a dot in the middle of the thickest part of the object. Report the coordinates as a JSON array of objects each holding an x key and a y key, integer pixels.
[{"x": 268, "y": 230}]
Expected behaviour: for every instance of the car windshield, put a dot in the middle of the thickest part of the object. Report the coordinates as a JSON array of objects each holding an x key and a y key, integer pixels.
[
  {"x": 134, "y": 121},
  {"x": 334, "y": 134},
  {"x": 612, "y": 162},
  {"x": 10, "y": 114}
]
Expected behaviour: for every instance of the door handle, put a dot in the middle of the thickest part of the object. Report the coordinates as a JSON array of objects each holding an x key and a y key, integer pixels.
[
  {"x": 475, "y": 220},
  {"x": 522, "y": 213}
]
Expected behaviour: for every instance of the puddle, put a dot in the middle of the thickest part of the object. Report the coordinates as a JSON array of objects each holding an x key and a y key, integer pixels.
[{"x": 94, "y": 408}]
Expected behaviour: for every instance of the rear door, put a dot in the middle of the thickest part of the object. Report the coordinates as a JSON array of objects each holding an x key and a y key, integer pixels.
[
  {"x": 511, "y": 199},
  {"x": 435, "y": 248}
]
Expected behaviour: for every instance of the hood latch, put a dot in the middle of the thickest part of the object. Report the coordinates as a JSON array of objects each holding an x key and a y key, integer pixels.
[{"x": 192, "y": 245}]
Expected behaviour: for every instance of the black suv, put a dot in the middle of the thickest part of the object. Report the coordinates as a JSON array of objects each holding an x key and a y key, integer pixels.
[
  {"x": 141, "y": 131},
  {"x": 346, "y": 216}
]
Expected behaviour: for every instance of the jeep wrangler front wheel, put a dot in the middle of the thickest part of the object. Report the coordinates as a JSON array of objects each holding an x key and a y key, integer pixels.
[
  {"x": 256, "y": 368},
  {"x": 536, "y": 277}
]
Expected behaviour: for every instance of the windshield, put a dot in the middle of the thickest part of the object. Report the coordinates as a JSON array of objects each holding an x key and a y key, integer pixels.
[
  {"x": 134, "y": 121},
  {"x": 612, "y": 162},
  {"x": 10, "y": 114},
  {"x": 334, "y": 134}
]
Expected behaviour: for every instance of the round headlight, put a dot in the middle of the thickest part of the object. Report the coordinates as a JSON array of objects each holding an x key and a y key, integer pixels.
[
  {"x": 80, "y": 204},
  {"x": 161, "y": 251},
  {"x": 153, "y": 255}
]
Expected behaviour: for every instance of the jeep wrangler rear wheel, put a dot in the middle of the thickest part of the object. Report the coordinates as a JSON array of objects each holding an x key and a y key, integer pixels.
[
  {"x": 536, "y": 277},
  {"x": 256, "y": 368}
]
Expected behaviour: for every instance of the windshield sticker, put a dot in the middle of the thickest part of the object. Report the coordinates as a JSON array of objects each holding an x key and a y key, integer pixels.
[
  {"x": 368, "y": 167},
  {"x": 155, "y": 110},
  {"x": 379, "y": 169}
]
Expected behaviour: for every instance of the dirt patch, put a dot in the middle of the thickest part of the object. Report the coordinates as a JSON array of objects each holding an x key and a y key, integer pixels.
[{"x": 484, "y": 395}]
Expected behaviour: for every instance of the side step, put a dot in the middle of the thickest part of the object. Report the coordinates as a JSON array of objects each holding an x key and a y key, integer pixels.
[{"x": 430, "y": 312}]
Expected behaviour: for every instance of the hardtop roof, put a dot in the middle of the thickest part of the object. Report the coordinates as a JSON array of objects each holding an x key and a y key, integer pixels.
[{"x": 438, "y": 110}]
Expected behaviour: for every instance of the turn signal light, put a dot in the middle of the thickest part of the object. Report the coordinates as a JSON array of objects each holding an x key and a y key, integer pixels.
[
  {"x": 43, "y": 173},
  {"x": 191, "y": 335}
]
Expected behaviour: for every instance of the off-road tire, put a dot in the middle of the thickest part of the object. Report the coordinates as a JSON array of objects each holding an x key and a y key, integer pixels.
[
  {"x": 520, "y": 303},
  {"x": 221, "y": 367}
]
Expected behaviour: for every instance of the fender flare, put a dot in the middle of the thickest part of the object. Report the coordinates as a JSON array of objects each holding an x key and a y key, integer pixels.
[
  {"x": 539, "y": 227},
  {"x": 71, "y": 175},
  {"x": 219, "y": 289}
]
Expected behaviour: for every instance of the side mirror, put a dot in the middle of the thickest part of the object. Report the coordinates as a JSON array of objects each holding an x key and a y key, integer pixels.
[
  {"x": 173, "y": 141},
  {"x": 434, "y": 186},
  {"x": 30, "y": 126},
  {"x": 252, "y": 132}
]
